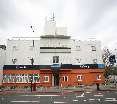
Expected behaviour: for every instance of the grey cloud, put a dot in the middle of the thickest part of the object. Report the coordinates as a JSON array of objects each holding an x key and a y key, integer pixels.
[
  {"x": 94, "y": 10},
  {"x": 7, "y": 12},
  {"x": 84, "y": 17}
]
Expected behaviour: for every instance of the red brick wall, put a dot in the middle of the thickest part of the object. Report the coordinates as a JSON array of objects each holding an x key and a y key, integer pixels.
[{"x": 89, "y": 77}]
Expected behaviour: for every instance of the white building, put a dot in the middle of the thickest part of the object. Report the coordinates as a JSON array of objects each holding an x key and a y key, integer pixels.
[
  {"x": 53, "y": 47},
  {"x": 43, "y": 51},
  {"x": 2, "y": 60},
  {"x": 57, "y": 59}
]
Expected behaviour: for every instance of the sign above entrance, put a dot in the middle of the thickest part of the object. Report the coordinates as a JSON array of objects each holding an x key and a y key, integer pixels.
[{"x": 55, "y": 66}]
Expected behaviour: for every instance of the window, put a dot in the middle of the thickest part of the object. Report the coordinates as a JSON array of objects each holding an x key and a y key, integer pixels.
[
  {"x": 13, "y": 79},
  {"x": 94, "y": 61},
  {"x": 26, "y": 78},
  {"x": 9, "y": 78},
  {"x": 55, "y": 59},
  {"x": 36, "y": 78},
  {"x": 30, "y": 77},
  {"x": 79, "y": 77},
  {"x": 65, "y": 78},
  {"x": 5, "y": 78},
  {"x": 46, "y": 78},
  {"x": 15, "y": 48},
  {"x": 78, "y": 48},
  {"x": 93, "y": 48},
  {"x": 78, "y": 60},
  {"x": 98, "y": 77},
  {"x": 31, "y": 48},
  {"x": 17, "y": 78},
  {"x": 21, "y": 78}
]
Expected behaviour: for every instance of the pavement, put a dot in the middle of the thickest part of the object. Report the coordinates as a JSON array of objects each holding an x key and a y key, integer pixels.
[
  {"x": 86, "y": 97},
  {"x": 59, "y": 90}
]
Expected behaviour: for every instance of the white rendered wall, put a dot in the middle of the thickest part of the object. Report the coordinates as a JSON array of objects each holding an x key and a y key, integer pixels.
[
  {"x": 23, "y": 53},
  {"x": 61, "y": 30},
  {"x": 50, "y": 27},
  {"x": 2, "y": 62},
  {"x": 85, "y": 54},
  {"x": 2, "y": 57}
]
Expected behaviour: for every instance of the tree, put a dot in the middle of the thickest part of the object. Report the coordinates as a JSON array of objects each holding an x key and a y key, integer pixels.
[
  {"x": 105, "y": 57},
  {"x": 109, "y": 61}
]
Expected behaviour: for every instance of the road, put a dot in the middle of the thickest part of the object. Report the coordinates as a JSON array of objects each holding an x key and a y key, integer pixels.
[{"x": 95, "y": 97}]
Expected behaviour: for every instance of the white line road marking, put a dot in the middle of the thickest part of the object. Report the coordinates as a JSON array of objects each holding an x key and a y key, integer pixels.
[
  {"x": 75, "y": 100},
  {"x": 84, "y": 100},
  {"x": 82, "y": 95},
  {"x": 2, "y": 98},
  {"x": 91, "y": 99},
  {"x": 99, "y": 95},
  {"x": 40, "y": 95},
  {"x": 110, "y": 99},
  {"x": 98, "y": 99},
  {"x": 57, "y": 102},
  {"x": 88, "y": 92},
  {"x": 25, "y": 101},
  {"x": 94, "y": 99}
]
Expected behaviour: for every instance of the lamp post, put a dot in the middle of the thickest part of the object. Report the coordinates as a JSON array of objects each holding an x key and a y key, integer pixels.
[
  {"x": 114, "y": 74},
  {"x": 31, "y": 80}
]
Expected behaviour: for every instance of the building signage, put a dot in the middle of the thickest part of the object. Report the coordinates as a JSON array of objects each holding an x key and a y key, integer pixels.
[{"x": 55, "y": 66}]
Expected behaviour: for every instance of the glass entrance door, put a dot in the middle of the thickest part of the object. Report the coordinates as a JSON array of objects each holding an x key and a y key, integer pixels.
[{"x": 56, "y": 79}]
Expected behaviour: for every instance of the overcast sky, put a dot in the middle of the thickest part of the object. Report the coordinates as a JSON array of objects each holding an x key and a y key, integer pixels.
[{"x": 84, "y": 19}]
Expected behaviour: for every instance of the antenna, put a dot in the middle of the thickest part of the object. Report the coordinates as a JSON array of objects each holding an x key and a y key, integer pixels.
[
  {"x": 32, "y": 28},
  {"x": 53, "y": 17}
]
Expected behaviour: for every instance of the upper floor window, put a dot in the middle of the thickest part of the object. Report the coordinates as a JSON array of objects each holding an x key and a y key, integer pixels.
[
  {"x": 55, "y": 59},
  {"x": 78, "y": 48},
  {"x": 31, "y": 48},
  {"x": 93, "y": 48},
  {"x": 78, "y": 60},
  {"x": 94, "y": 61},
  {"x": 15, "y": 48}
]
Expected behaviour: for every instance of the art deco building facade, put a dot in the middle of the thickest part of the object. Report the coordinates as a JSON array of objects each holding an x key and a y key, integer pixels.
[{"x": 54, "y": 59}]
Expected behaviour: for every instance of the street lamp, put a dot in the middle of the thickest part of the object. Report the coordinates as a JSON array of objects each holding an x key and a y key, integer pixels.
[{"x": 31, "y": 80}]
